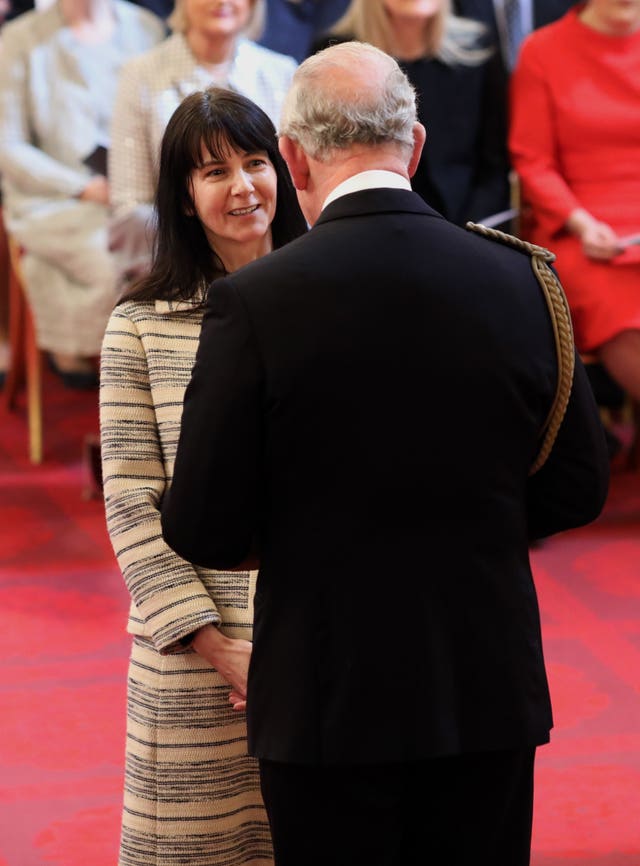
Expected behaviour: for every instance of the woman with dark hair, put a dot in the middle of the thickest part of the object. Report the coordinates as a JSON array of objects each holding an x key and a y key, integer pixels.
[
  {"x": 224, "y": 198},
  {"x": 212, "y": 44}
]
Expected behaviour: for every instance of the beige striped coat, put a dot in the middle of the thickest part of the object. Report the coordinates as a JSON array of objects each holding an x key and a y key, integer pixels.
[{"x": 191, "y": 792}]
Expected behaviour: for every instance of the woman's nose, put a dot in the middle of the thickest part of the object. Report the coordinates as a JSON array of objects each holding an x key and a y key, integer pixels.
[{"x": 242, "y": 183}]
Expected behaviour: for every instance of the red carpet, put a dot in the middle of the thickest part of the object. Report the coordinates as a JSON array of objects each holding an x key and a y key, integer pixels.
[{"x": 64, "y": 657}]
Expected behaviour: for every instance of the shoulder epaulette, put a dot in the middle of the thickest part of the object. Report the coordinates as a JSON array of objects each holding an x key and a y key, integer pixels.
[{"x": 541, "y": 259}]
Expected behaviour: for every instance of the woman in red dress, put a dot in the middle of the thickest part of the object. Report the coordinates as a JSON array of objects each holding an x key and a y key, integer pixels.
[{"x": 575, "y": 144}]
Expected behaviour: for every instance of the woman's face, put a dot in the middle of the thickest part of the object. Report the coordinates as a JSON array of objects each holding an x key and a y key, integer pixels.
[
  {"x": 235, "y": 200},
  {"x": 621, "y": 16},
  {"x": 418, "y": 10},
  {"x": 217, "y": 17}
]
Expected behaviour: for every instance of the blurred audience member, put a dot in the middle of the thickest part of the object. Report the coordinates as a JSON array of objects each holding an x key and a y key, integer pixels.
[
  {"x": 461, "y": 89},
  {"x": 292, "y": 26},
  {"x": 509, "y": 21},
  {"x": 211, "y": 45},
  {"x": 17, "y": 7},
  {"x": 575, "y": 144},
  {"x": 5, "y": 7},
  {"x": 197, "y": 800},
  {"x": 58, "y": 71},
  {"x": 162, "y": 8},
  {"x": 4, "y": 302}
]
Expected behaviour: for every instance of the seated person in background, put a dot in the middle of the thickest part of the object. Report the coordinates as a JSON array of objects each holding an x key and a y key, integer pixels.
[
  {"x": 162, "y": 8},
  {"x": 575, "y": 144},
  {"x": 197, "y": 799},
  {"x": 292, "y": 26},
  {"x": 205, "y": 49},
  {"x": 58, "y": 71},
  {"x": 509, "y": 21},
  {"x": 461, "y": 89}
]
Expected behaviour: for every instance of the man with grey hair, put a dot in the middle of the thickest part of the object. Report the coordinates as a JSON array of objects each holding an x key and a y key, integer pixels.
[{"x": 397, "y": 691}]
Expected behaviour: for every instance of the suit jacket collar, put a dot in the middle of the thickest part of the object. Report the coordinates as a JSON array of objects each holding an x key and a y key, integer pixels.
[{"x": 379, "y": 200}]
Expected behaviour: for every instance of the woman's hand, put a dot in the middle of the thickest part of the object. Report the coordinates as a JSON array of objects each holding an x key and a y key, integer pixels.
[
  {"x": 229, "y": 656},
  {"x": 599, "y": 241},
  {"x": 237, "y": 701}
]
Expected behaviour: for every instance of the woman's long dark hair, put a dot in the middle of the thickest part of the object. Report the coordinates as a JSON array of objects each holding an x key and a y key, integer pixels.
[{"x": 212, "y": 120}]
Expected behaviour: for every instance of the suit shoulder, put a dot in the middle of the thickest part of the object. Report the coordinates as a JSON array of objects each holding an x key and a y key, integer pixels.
[
  {"x": 289, "y": 259},
  {"x": 511, "y": 241}
]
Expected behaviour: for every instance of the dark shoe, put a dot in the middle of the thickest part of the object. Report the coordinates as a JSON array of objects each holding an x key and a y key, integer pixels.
[{"x": 80, "y": 380}]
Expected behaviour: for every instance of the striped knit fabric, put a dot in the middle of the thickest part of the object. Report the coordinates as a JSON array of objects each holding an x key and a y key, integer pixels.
[{"x": 191, "y": 792}]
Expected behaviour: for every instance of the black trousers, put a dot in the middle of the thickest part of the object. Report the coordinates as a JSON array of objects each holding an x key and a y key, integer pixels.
[{"x": 467, "y": 810}]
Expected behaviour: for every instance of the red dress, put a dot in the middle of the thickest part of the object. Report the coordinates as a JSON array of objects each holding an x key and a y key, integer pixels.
[{"x": 575, "y": 142}]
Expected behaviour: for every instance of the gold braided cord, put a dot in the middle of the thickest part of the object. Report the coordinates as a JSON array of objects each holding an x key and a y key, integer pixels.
[{"x": 562, "y": 332}]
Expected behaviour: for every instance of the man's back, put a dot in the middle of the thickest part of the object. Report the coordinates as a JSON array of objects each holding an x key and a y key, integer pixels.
[
  {"x": 364, "y": 411},
  {"x": 405, "y": 369}
]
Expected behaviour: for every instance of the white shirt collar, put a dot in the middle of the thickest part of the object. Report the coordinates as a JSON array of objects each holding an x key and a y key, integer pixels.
[{"x": 373, "y": 179}]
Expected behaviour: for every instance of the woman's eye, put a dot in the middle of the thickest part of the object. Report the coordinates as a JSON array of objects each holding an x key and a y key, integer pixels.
[
  {"x": 215, "y": 172},
  {"x": 257, "y": 162}
]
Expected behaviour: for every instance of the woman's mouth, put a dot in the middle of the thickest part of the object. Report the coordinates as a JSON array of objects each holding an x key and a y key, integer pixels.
[{"x": 243, "y": 211}]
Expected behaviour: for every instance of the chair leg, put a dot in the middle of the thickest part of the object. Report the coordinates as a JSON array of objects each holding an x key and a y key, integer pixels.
[
  {"x": 26, "y": 357},
  {"x": 33, "y": 361},
  {"x": 16, "y": 371}
]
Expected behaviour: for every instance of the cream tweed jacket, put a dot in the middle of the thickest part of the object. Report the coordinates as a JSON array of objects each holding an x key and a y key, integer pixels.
[{"x": 147, "y": 356}]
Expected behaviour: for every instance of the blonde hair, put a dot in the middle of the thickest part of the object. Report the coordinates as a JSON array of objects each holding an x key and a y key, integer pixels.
[
  {"x": 178, "y": 23},
  {"x": 447, "y": 37}
]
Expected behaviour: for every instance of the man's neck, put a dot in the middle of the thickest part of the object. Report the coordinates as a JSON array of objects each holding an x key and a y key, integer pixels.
[{"x": 324, "y": 177}]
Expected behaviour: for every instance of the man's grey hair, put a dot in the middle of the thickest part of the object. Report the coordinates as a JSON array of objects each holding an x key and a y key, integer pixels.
[{"x": 346, "y": 95}]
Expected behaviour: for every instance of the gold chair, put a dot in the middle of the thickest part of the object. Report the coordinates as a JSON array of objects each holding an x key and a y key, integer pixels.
[{"x": 25, "y": 364}]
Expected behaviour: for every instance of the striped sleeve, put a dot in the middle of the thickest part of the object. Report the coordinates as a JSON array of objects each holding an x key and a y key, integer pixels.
[{"x": 167, "y": 592}]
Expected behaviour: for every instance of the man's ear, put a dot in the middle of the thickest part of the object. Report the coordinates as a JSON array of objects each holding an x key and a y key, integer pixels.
[
  {"x": 419, "y": 138},
  {"x": 296, "y": 159}
]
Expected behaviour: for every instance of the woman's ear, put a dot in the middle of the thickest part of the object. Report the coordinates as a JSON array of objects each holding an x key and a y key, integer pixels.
[{"x": 296, "y": 160}]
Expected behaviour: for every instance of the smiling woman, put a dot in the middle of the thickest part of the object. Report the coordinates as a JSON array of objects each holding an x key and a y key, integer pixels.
[
  {"x": 234, "y": 197},
  {"x": 224, "y": 198},
  {"x": 211, "y": 45}
]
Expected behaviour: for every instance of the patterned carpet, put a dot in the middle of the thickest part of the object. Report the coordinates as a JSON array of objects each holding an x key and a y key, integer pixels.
[{"x": 64, "y": 657}]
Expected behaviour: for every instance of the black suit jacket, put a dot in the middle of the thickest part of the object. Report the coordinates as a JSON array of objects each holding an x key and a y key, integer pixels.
[{"x": 365, "y": 404}]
